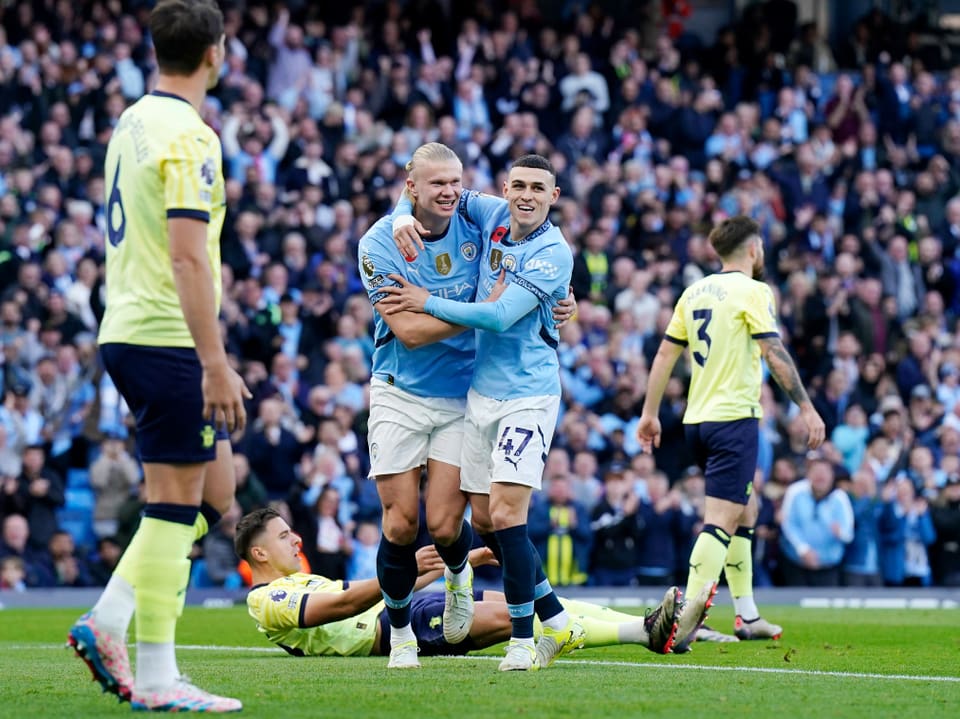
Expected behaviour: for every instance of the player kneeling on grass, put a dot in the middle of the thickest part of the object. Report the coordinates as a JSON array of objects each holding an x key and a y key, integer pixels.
[{"x": 310, "y": 615}]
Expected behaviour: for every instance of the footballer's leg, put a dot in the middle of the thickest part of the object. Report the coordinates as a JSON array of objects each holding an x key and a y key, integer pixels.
[
  {"x": 453, "y": 538},
  {"x": 739, "y": 570},
  {"x": 397, "y": 562},
  {"x": 400, "y": 426},
  {"x": 509, "y": 504},
  {"x": 114, "y": 609}
]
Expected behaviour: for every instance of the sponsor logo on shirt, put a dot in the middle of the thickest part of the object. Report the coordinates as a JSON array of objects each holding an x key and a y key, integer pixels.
[{"x": 547, "y": 269}]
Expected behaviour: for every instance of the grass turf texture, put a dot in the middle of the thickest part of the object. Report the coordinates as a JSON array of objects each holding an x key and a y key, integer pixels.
[{"x": 764, "y": 678}]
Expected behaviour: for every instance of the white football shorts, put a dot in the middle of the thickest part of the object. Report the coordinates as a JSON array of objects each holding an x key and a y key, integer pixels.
[
  {"x": 506, "y": 440},
  {"x": 405, "y": 430}
]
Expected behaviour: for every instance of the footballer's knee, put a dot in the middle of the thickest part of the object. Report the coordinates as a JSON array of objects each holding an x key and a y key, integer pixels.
[
  {"x": 400, "y": 528},
  {"x": 444, "y": 531},
  {"x": 481, "y": 525}
]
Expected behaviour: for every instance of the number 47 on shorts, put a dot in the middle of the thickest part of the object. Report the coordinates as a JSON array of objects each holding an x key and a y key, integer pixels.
[{"x": 506, "y": 442}]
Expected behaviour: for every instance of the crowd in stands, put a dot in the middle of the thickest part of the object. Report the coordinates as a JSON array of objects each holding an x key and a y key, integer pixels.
[{"x": 847, "y": 155}]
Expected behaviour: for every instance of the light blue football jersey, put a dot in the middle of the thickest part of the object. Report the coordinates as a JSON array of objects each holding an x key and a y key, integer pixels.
[
  {"x": 447, "y": 268},
  {"x": 520, "y": 360}
]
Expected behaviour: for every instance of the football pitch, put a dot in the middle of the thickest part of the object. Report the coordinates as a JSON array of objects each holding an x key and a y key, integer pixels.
[{"x": 830, "y": 663}]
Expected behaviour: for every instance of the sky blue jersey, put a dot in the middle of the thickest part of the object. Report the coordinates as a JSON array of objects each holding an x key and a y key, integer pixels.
[
  {"x": 517, "y": 352},
  {"x": 447, "y": 268}
]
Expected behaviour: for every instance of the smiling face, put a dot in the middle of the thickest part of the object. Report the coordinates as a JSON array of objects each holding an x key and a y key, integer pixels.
[
  {"x": 436, "y": 188},
  {"x": 530, "y": 192}
]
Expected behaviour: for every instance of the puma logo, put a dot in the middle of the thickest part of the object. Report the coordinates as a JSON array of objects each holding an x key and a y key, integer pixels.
[
  {"x": 736, "y": 565},
  {"x": 514, "y": 462},
  {"x": 696, "y": 567}
]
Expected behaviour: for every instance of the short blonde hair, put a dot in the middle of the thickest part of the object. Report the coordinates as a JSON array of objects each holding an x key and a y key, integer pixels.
[{"x": 431, "y": 152}]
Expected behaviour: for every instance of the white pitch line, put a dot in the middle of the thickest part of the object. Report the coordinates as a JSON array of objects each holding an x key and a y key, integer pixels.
[{"x": 583, "y": 662}]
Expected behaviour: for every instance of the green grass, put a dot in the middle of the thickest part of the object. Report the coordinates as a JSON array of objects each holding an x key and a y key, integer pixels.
[{"x": 771, "y": 679}]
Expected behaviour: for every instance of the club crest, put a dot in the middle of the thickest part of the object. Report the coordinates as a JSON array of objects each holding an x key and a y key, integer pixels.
[
  {"x": 509, "y": 262},
  {"x": 469, "y": 251}
]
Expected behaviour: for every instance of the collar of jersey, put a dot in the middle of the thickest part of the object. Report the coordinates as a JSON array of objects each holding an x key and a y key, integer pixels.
[
  {"x": 161, "y": 93},
  {"x": 434, "y": 238},
  {"x": 505, "y": 240}
]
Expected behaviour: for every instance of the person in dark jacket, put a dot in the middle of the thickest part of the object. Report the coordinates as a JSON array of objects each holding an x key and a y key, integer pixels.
[
  {"x": 663, "y": 525},
  {"x": 945, "y": 553},
  {"x": 616, "y": 534},
  {"x": 39, "y": 493}
]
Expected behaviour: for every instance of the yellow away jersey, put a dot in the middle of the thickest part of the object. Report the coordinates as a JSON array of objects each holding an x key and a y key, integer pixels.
[
  {"x": 721, "y": 317},
  {"x": 278, "y": 608},
  {"x": 162, "y": 162}
]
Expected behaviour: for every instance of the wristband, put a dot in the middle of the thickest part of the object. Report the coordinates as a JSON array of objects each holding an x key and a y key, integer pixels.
[{"x": 402, "y": 221}]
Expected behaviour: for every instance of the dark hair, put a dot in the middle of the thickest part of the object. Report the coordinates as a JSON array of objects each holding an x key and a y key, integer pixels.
[
  {"x": 729, "y": 235},
  {"x": 249, "y": 529},
  {"x": 537, "y": 162},
  {"x": 182, "y": 30}
]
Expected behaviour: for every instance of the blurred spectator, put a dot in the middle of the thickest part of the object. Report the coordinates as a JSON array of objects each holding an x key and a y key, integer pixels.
[
  {"x": 14, "y": 543},
  {"x": 113, "y": 476},
  {"x": 817, "y": 525},
  {"x": 13, "y": 574},
  {"x": 105, "y": 561},
  {"x": 616, "y": 531},
  {"x": 871, "y": 510},
  {"x": 273, "y": 451},
  {"x": 38, "y": 494},
  {"x": 250, "y": 493},
  {"x": 219, "y": 567},
  {"x": 559, "y": 528},
  {"x": 68, "y": 569},
  {"x": 664, "y": 527},
  {"x": 903, "y": 551},
  {"x": 330, "y": 547},
  {"x": 363, "y": 557},
  {"x": 945, "y": 513}
]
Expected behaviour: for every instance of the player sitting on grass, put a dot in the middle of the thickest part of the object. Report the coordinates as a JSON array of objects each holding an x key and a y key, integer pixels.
[{"x": 309, "y": 615}]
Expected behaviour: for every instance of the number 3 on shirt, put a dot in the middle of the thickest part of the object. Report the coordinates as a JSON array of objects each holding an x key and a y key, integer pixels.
[
  {"x": 116, "y": 218},
  {"x": 704, "y": 316}
]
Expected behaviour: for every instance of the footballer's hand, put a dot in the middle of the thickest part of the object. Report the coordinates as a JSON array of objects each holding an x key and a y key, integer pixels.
[
  {"x": 408, "y": 236},
  {"x": 223, "y": 394},
  {"x": 428, "y": 560},
  {"x": 498, "y": 288},
  {"x": 405, "y": 298},
  {"x": 648, "y": 432},
  {"x": 565, "y": 310},
  {"x": 482, "y": 556},
  {"x": 816, "y": 430}
]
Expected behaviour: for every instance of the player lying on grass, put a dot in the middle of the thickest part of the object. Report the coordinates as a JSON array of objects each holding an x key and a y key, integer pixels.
[{"x": 307, "y": 614}]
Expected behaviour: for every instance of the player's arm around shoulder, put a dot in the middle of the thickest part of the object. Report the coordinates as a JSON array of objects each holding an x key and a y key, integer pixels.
[
  {"x": 785, "y": 373},
  {"x": 325, "y": 607}
]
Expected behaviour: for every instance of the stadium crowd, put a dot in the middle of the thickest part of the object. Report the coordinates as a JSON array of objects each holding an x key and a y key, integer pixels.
[{"x": 848, "y": 156}]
